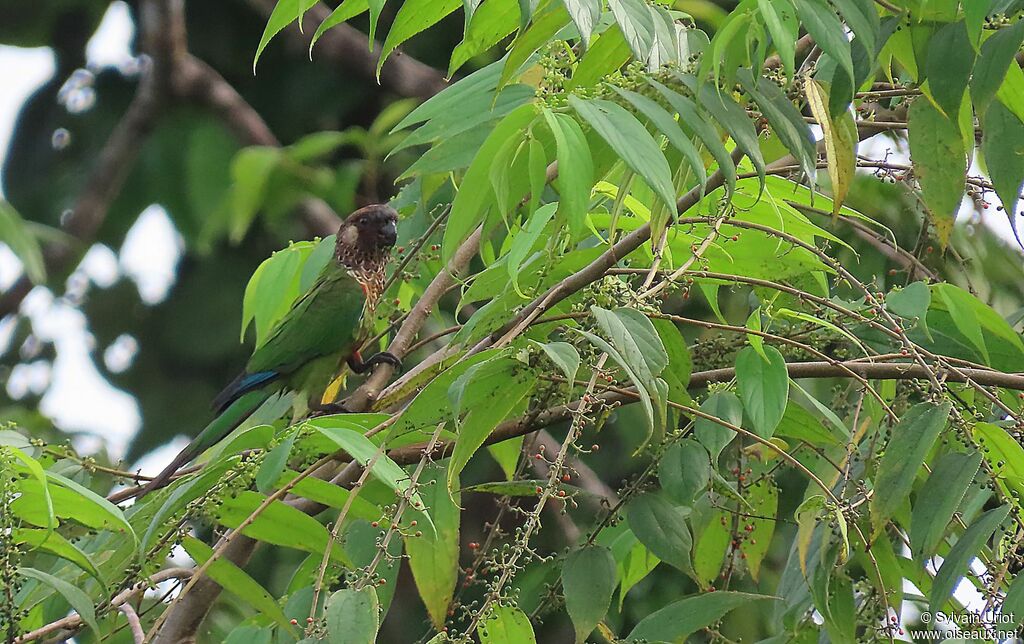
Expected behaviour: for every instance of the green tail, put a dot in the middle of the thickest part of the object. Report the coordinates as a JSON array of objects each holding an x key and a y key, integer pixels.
[{"x": 219, "y": 427}]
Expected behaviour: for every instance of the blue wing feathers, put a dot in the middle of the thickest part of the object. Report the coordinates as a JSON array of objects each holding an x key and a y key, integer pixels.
[{"x": 244, "y": 383}]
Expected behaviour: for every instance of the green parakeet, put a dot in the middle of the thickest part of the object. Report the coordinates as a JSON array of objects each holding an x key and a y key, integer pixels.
[{"x": 306, "y": 348}]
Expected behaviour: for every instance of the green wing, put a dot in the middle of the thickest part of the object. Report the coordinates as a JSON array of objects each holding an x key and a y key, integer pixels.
[{"x": 324, "y": 321}]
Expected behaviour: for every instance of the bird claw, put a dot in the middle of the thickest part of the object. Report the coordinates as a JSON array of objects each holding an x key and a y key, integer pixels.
[{"x": 359, "y": 366}]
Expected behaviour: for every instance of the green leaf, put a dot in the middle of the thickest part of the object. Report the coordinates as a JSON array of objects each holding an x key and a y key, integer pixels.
[
  {"x": 912, "y": 437},
  {"x": 661, "y": 527},
  {"x": 680, "y": 619},
  {"x": 911, "y": 302},
  {"x": 955, "y": 565},
  {"x": 1003, "y": 148},
  {"x": 684, "y": 471},
  {"x": 352, "y": 616},
  {"x": 989, "y": 73},
  {"x": 806, "y": 516},
  {"x": 55, "y": 544},
  {"x": 733, "y": 117},
  {"x": 564, "y": 356},
  {"x": 22, "y": 243},
  {"x": 522, "y": 487},
  {"x": 609, "y": 52},
  {"x": 524, "y": 240},
  {"x": 840, "y": 142},
  {"x": 780, "y": 18},
  {"x": 92, "y": 509},
  {"x": 274, "y": 463},
  {"x": 575, "y": 170},
  {"x": 471, "y": 202},
  {"x": 509, "y": 383},
  {"x": 939, "y": 499},
  {"x": 713, "y": 436},
  {"x": 949, "y": 63},
  {"x": 487, "y": 27},
  {"x": 506, "y": 625},
  {"x": 284, "y": 13},
  {"x": 760, "y": 526},
  {"x": 76, "y": 598},
  {"x": 1004, "y": 455},
  {"x": 1012, "y": 609},
  {"x": 538, "y": 34},
  {"x": 799, "y": 424},
  {"x": 361, "y": 449},
  {"x": 631, "y": 141},
  {"x": 236, "y": 581},
  {"x": 822, "y": 23},
  {"x": 940, "y": 164},
  {"x": 711, "y": 543},
  {"x": 585, "y": 14},
  {"x": 278, "y": 524},
  {"x": 961, "y": 307},
  {"x": 690, "y": 116},
  {"x": 634, "y": 561},
  {"x": 36, "y": 471},
  {"x": 251, "y": 170},
  {"x": 666, "y": 124},
  {"x": 588, "y": 580},
  {"x": 434, "y": 555},
  {"x": 786, "y": 121},
  {"x": 636, "y": 23},
  {"x": 632, "y": 333},
  {"x": 343, "y": 12},
  {"x": 764, "y": 388},
  {"x": 413, "y": 17},
  {"x": 862, "y": 18}
]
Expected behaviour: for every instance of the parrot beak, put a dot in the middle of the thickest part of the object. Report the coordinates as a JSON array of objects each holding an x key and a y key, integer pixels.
[{"x": 389, "y": 233}]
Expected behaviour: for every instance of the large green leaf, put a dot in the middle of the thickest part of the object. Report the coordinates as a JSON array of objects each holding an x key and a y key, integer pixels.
[
  {"x": 723, "y": 405},
  {"x": 636, "y": 23},
  {"x": 822, "y": 23},
  {"x": 413, "y": 17},
  {"x": 940, "y": 164},
  {"x": 684, "y": 471},
  {"x": 954, "y": 566},
  {"x": 939, "y": 499},
  {"x": 506, "y": 625},
  {"x": 576, "y": 170},
  {"x": 1003, "y": 149},
  {"x": 631, "y": 141},
  {"x": 74, "y": 595},
  {"x": 661, "y": 526},
  {"x": 434, "y": 554},
  {"x": 996, "y": 55},
  {"x": 764, "y": 388},
  {"x": 682, "y": 618},
  {"x": 471, "y": 202},
  {"x": 949, "y": 63},
  {"x": 352, "y": 616},
  {"x": 236, "y": 581},
  {"x": 912, "y": 437},
  {"x": 588, "y": 580},
  {"x": 585, "y": 14}
]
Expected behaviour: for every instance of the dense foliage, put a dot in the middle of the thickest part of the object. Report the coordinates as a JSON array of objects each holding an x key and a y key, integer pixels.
[{"x": 691, "y": 349}]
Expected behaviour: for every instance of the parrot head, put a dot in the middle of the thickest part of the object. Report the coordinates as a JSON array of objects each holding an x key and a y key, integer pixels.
[
  {"x": 364, "y": 243},
  {"x": 366, "y": 236}
]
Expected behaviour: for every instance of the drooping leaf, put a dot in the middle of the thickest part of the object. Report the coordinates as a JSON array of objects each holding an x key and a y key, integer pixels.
[
  {"x": 840, "y": 142},
  {"x": 636, "y": 23},
  {"x": 939, "y": 499},
  {"x": 822, "y": 23},
  {"x": 764, "y": 388},
  {"x": 954, "y": 566},
  {"x": 780, "y": 18},
  {"x": 940, "y": 164},
  {"x": 949, "y": 63},
  {"x": 678, "y": 620},
  {"x": 760, "y": 526},
  {"x": 236, "y": 581},
  {"x": 684, "y": 471},
  {"x": 434, "y": 554},
  {"x": 564, "y": 356},
  {"x": 506, "y": 625},
  {"x": 413, "y": 17},
  {"x": 575, "y": 170},
  {"x": 284, "y": 14},
  {"x": 585, "y": 14},
  {"x": 785, "y": 119},
  {"x": 911, "y": 439},
  {"x": 661, "y": 526},
  {"x": 273, "y": 464},
  {"x": 989, "y": 73},
  {"x": 352, "y": 616},
  {"x": 75, "y": 596},
  {"x": 631, "y": 141},
  {"x": 713, "y": 436},
  {"x": 1003, "y": 148},
  {"x": 588, "y": 580}
]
